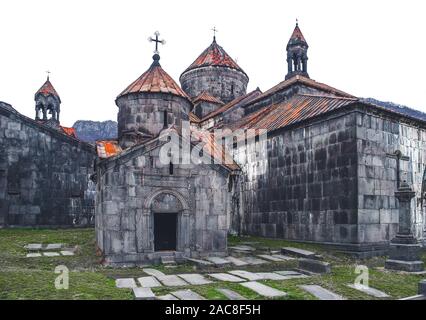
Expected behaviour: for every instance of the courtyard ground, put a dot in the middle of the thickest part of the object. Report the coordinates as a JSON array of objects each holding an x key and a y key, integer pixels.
[{"x": 33, "y": 278}]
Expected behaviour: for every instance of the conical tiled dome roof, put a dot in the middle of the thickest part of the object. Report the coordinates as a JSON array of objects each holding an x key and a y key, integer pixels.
[
  {"x": 47, "y": 89},
  {"x": 297, "y": 35},
  {"x": 214, "y": 55},
  {"x": 155, "y": 80}
]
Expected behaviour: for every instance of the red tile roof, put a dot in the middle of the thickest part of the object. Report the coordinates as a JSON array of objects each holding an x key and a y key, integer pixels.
[
  {"x": 214, "y": 55},
  {"x": 47, "y": 89},
  {"x": 240, "y": 100},
  {"x": 69, "y": 131},
  {"x": 295, "y": 110},
  {"x": 207, "y": 97},
  {"x": 156, "y": 80},
  {"x": 193, "y": 118},
  {"x": 107, "y": 148},
  {"x": 297, "y": 35},
  {"x": 298, "y": 79}
]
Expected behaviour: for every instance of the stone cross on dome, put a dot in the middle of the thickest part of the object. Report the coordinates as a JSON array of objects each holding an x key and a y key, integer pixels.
[
  {"x": 156, "y": 40},
  {"x": 48, "y": 74},
  {"x": 214, "y": 33}
]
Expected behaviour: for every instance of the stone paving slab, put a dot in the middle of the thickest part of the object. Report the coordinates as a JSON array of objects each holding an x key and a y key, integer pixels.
[
  {"x": 167, "y": 297},
  {"x": 33, "y": 255},
  {"x": 153, "y": 272},
  {"x": 237, "y": 262},
  {"x": 187, "y": 295},
  {"x": 368, "y": 290},
  {"x": 298, "y": 252},
  {"x": 51, "y": 254},
  {"x": 218, "y": 261},
  {"x": 53, "y": 246},
  {"x": 149, "y": 282},
  {"x": 226, "y": 277},
  {"x": 172, "y": 281},
  {"x": 246, "y": 275},
  {"x": 271, "y": 276},
  {"x": 194, "y": 279},
  {"x": 283, "y": 257},
  {"x": 263, "y": 289},
  {"x": 270, "y": 258},
  {"x": 288, "y": 275},
  {"x": 125, "y": 283},
  {"x": 231, "y": 295},
  {"x": 67, "y": 253},
  {"x": 253, "y": 260},
  {"x": 242, "y": 248},
  {"x": 321, "y": 293},
  {"x": 143, "y": 294},
  {"x": 200, "y": 263},
  {"x": 33, "y": 246}
]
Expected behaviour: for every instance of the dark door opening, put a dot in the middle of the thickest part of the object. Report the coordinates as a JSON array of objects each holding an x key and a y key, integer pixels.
[{"x": 165, "y": 231}]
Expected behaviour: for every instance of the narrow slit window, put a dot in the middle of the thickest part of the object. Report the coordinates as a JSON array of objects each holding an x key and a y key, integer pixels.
[{"x": 165, "y": 119}]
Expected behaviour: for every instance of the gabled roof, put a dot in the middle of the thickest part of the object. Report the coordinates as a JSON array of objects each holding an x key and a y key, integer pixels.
[
  {"x": 298, "y": 79},
  {"x": 207, "y": 97},
  {"x": 69, "y": 131},
  {"x": 154, "y": 80},
  {"x": 193, "y": 118},
  {"x": 237, "y": 101},
  {"x": 47, "y": 89},
  {"x": 292, "y": 111},
  {"x": 216, "y": 56}
]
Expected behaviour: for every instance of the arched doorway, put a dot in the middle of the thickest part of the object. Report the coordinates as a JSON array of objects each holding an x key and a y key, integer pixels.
[{"x": 166, "y": 211}]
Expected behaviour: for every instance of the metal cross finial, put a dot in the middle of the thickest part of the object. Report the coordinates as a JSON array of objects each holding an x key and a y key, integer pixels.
[
  {"x": 156, "y": 40},
  {"x": 214, "y": 33},
  {"x": 297, "y": 22},
  {"x": 48, "y": 74}
]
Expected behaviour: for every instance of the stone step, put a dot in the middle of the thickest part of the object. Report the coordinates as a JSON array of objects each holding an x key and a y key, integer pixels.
[
  {"x": 230, "y": 294},
  {"x": 314, "y": 266},
  {"x": 200, "y": 263},
  {"x": 168, "y": 260},
  {"x": 242, "y": 248},
  {"x": 237, "y": 262},
  {"x": 368, "y": 290},
  {"x": 271, "y": 276},
  {"x": 298, "y": 252},
  {"x": 264, "y": 290},
  {"x": 321, "y": 293},
  {"x": 195, "y": 279},
  {"x": 149, "y": 282},
  {"x": 283, "y": 257},
  {"x": 226, "y": 277},
  {"x": 53, "y": 246},
  {"x": 187, "y": 295},
  {"x": 143, "y": 294},
  {"x": 289, "y": 275},
  {"x": 33, "y": 246}
]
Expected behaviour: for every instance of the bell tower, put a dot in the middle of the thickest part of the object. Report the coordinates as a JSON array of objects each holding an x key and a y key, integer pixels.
[
  {"x": 297, "y": 54},
  {"x": 48, "y": 103}
]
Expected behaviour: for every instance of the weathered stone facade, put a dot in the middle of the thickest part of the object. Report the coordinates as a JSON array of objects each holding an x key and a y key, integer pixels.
[
  {"x": 135, "y": 187},
  {"x": 44, "y": 174},
  {"x": 223, "y": 83}
]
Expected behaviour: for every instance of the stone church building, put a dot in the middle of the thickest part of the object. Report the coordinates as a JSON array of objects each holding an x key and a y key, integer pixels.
[
  {"x": 44, "y": 169},
  {"x": 326, "y": 173}
]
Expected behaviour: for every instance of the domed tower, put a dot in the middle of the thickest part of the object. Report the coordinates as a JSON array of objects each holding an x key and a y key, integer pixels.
[
  {"x": 214, "y": 72},
  {"x": 151, "y": 103},
  {"x": 48, "y": 104},
  {"x": 297, "y": 54}
]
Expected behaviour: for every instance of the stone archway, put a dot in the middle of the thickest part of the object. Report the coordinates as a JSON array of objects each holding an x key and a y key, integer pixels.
[{"x": 164, "y": 206}]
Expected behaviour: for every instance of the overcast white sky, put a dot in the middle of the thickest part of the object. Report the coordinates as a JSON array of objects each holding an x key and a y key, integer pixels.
[{"x": 94, "y": 49}]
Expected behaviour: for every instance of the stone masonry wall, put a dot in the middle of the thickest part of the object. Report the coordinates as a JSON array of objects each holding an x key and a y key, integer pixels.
[
  {"x": 127, "y": 188},
  {"x": 378, "y": 137},
  {"x": 44, "y": 174},
  {"x": 303, "y": 187},
  {"x": 223, "y": 83}
]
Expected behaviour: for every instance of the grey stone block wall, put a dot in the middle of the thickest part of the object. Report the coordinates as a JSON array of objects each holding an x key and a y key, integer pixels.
[
  {"x": 304, "y": 186},
  {"x": 223, "y": 83},
  {"x": 144, "y": 112},
  {"x": 132, "y": 188},
  {"x": 44, "y": 174},
  {"x": 378, "y": 137}
]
